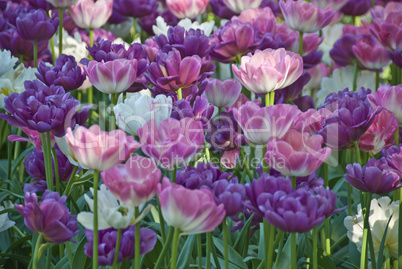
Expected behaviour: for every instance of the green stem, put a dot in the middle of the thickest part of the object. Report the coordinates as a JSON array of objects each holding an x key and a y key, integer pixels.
[
  {"x": 225, "y": 243},
  {"x": 9, "y": 154},
  {"x": 179, "y": 94},
  {"x": 60, "y": 31},
  {"x": 56, "y": 170},
  {"x": 265, "y": 226},
  {"x": 36, "y": 252},
  {"x": 116, "y": 252},
  {"x": 91, "y": 37},
  {"x": 35, "y": 54},
  {"x": 366, "y": 212},
  {"x": 265, "y": 166},
  {"x": 293, "y": 178},
  {"x": 301, "y": 43},
  {"x": 96, "y": 235},
  {"x": 199, "y": 250},
  {"x": 175, "y": 247},
  {"x": 377, "y": 79},
  {"x": 166, "y": 246},
  {"x": 214, "y": 255},
  {"x": 270, "y": 249},
  {"x": 48, "y": 257},
  {"x": 70, "y": 181},
  {"x": 137, "y": 256},
  {"x": 69, "y": 254},
  {"x": 61, "y": 251},
  {"x": 243, "y": 156},
  {"x": 208, "y": 252},
  {"x": 50, "y": 160},
  {"x": 293, "y": 250},
  {"x": 49, "y": 177},
  {"x": 357, "y": 152},
  {"x": 267, "y": 100},
  {"x": 272, "y": 98},
  {"x": 53, "y": 52},
  {"x": 326, "y": 225},
  {"x": 174, "y": 174},
  {"x": 315, "y": 248},
  {"x": 134, "y": 28},
  {"x": 355, "y": 70}
]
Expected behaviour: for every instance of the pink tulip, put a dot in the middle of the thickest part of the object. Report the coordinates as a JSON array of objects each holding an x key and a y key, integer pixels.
[
  {"x": 238, "y": 6},
  {"x": 99, "y": 150},
  {"x": 261, "y": 124},
  {"x": 172, "y": 142},
  {"x": 263, "y": 19},
  {"x": 370, "y": 53},
  {"x": 222, "y": 94},
  {"x": 380, "y": 133},
  {"x": 113, "y": 76},
  {"x": 91, "y": 14},
  {"x": 187, "y": 8},
  {"x": 241, "y": 100},
  {"x": 134, "y": 182},
  {"x": 269, "y": 70},
  {"x": 389, "y": 98},
  {"x": 297, "y": 154},
  {"x": 311, "y": 120},
  {"x": 192, "y": 211},
  {"x": 306, "y": 17},
  {"x": 33, "y": 137}
]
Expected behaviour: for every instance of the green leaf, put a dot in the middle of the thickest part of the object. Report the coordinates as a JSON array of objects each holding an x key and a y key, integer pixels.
[
  {"x": 186, "y": 251},
  {"x": 234, "y": 257},
  {"x": 380, "y": 259},
  {"x": 80, "y": 258},
  {"x": 62, "y": 264},
  {"x": 242, "y": 241}
]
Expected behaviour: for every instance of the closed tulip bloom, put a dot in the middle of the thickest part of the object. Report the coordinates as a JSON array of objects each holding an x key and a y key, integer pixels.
[
  {"x": 306, "y": 17},
  {"x": 297, "y": 154},
  {"x": 134, "y": 182},
  {"x": 62, "y": 3},
  {"x": 238, "y": 6},
  {"x": 380, "y": 133},
  {"x": 269, "y": 70},
  {"x": 375, "y": 177},
  {"x": 192, "y": 211},
  {"x": 51, "y": 218},
  {"x": 370, "y": 53},
  {"x": 389, "y": 97},
  {"x": 187, "y": 8},
  {"x": 356, "y": 7},
  {"x": 261, "y": 124},
  {"x": 174, "y": 142},
  {"x": 263, "y": 19},
  {"x": 139, "y": 109},
  {"x": 222, "y": 94},
  {"x": 135, "y": 8},
  {"x": 99, "y": 150},
  {"x": 91, "y": 14},
  {"x": 221, "y": 10},
  {"x": 36, "y": 26},
  {"x": 229, "y": 193},
  {"x": 112, "y": 77}
]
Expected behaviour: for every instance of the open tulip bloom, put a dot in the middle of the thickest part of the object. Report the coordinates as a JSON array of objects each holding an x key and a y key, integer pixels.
[{"x": 200, "y": 134}]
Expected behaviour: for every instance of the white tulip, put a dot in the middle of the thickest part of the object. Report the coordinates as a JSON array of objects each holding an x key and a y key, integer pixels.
[
  {"x": 7, "y": 61},
  {"x": 5, "y": 222}
]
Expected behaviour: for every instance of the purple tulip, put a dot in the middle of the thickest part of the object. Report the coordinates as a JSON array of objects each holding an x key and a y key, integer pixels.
[
  {"x": 107, "y": 244},
  {"x": 34, "y": 164},
  {"x": 292, "y": 91},
  {"x": 310, "y": 182},
  {"x": 44, "y": 109},
  {"x": 135, "y": 8},
  {"x": 221, "y": 10},
  {"x": 306, "y": 17},
  {"x": 15, "y": 10},
  {"x": 370, "y": 53},
  {"x": 222, "y": 94},
  {"x": 148, "y": 21},
  {"x": 342, "y": 51},
  {"x": 36, "y": 26},
  {"x": 41, "y": 4},
  {"x": 200, "y": 110},
  {"x": 173, "y": 143},
  {"x": 229, "y": 193},
  {"x": 192, "y": 211},
  {"x": 356, "y": 7},
  {"x": 375, "y": 177},
  {"x": 263, "y": 19},
  {"x": 66, "y": 73},
  {"x": 51, "y": 217}
]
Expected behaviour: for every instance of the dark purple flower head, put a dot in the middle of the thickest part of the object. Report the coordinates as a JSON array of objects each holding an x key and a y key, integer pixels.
[
  {"x": 351, "y": 119},
  {"x": 311, "y": 181},
  {"x": 396, "y": 57},
  {"x": 326, "y": 197},
  {"x": 229, "y": 193},
  {"x": 51, "y": 217},
  {"x": 36, "y": 26},
  {"x": 200, "y": 110},
  {"x": 271, "y": 4},
  {"x": 188, "y": 43},
  {"x": 224, "y": 133},
  {"x": 342, "y": 52},
  {"x": 15, "y": 10},
  {"x": 116, "y": 17},
  {"x": 41, "y": 4},
  {"x": 34, "y": 164},
  {"x": 375, "y": 177},
  {"x": 148, "y": 21},
  {"x": 312, "y": 59},
  {"x": 135, "y": 8},
  {"x": 296, "y": 212},
  {"x": 333, "y": 100},
  {"x": 44, "y": 109},
  {"x": 19, "y": 47},
  {"x": 98, "y": 33},
  {"x": 356, "y": 7},
  {"x": 107, "y": 244},
  {"x": 221, "y": 10},
  {"x": 205, "y": 174},
  {"x": 66, "y": 73},
  {"x": 393, "y": 157},
  {"x": 292, "y": 91}
]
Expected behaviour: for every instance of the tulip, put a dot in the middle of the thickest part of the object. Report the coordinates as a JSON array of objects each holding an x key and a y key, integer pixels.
[
  {"x": 388, "y": 97},
  {"x": 356, "y": 7},
  {"x": 62, "y": 3},
  {"x": 306, "y": 17},
  {"x": 222, "y": 94},
  {"x": 238, "y": 6},
  {"x": 90, "y": 14},
  {"x": 221, "y": 10},
  {"x": 8, "y": 62},
  {"x": 139, "y": 109},
  {"x": 261, "y": 124},
  {"x": 112, "y": 77},
  {"x": 263, "y": 19},
  {"x": 33, "y": 138},
  {"x": 51, "y": 218},
  {"x": 269, "y": 70},
  {"x": 187, "y": 8},
  {"x": 297, "y": 154},
  {"x": 191, "y": 211},
  {"x": 335, "y": 4},
  {"x": 36, "y": 26},
  {"x": 173, "y": 143},
  {"x": 135, "y": 8},
  {"x": 99, "y": 150},
  {"x": 135, "y": 182},
  {"x": 370, "y": 53}
]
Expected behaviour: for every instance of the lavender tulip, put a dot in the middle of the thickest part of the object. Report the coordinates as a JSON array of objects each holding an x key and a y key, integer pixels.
[
  {"x": 51, "y": 217},
  {"x": 36, "y": 26},
  {"x": 229, "y": 193},
  {"x": 135, "y": 8},
  {"x": 222, "y": 94},
  {"x": 356, "y": 7},
  {"x": 201, "y": 110}
]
